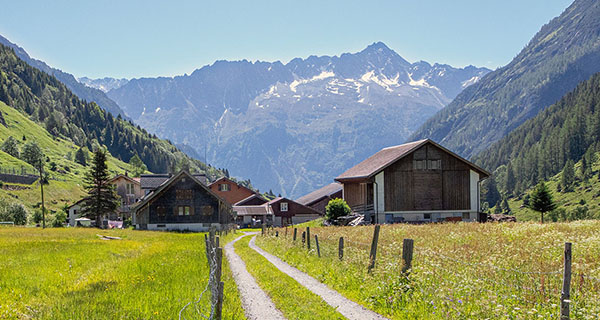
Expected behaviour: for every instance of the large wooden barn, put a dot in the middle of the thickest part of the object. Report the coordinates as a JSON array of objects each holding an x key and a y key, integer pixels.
[
  {"x": 419, "y": 181},
  {"x": 182, "y": 202}
]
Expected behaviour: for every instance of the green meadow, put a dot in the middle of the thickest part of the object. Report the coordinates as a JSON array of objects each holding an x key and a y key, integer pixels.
[{"x": 70, "y": 273}]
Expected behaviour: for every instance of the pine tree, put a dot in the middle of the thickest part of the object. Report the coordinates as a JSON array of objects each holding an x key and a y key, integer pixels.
[
  {"x": 504, "y": 206},
  {"x": 492, "y": 196},
  {"x": 568, "y": 176},
  {"x": 541, "y": 200},
  {"x": 510, "y": 180},
  {"x": 101, "y": 198}
]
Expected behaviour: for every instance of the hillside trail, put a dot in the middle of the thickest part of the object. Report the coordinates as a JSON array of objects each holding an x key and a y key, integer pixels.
[
  {"x": 346, "y": 307},
  {"x": 256, "y": 303}
]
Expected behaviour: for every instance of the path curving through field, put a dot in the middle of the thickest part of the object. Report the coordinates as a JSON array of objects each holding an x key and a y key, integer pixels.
[
  {"x": 346, "y": 307},
  {"x": 256, "y": 303}
]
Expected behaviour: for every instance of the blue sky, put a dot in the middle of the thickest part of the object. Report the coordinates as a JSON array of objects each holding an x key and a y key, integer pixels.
[{"x": 130, "y": 38}]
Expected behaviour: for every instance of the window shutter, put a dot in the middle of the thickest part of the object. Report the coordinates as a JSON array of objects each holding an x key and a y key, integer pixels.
[
  {"x": 175, "y": 212},
  {"x": 191, "y": 210}
]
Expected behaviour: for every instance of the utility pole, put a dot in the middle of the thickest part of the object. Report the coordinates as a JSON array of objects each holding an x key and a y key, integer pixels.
[{"x": 41, "y": 166}]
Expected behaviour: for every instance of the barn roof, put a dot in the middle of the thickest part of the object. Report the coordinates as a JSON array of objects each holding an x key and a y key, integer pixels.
[
  {"x": 387, "y": 156},
  {"x": 319, "y": 194}
]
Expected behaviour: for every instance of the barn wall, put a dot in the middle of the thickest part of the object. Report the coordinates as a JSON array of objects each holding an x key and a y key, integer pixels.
[{"x": 445, "y": 188}]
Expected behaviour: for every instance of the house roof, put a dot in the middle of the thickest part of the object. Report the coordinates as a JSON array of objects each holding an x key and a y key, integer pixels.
[
  {"x": 153, "y": 181},
  {"x": 165, "y": 185},
  {"x": 387, "y": 156},
  {"x": 251, "y": 197},
  {"x": 319, "y": 194},
  {"x": 263, "y": 209},
  {"x": 134, "y": 180},
  {"x": 76, "y": 203},
  {"x": 279, "y": 199}
]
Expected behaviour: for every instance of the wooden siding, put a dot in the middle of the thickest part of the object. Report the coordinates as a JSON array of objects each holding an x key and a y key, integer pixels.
[
  {"x": 357, "y": 194},
  {"x": 321, "y": 204},
  {"x": 410, "y": 189}
]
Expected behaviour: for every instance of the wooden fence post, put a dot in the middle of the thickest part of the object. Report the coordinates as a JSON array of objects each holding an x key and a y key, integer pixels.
[
  {"x": 407, "y": 255},
  {"x": 373, "y": 254},
  {"x": 566, "y": 289},
  {"x": 263, "y": 229},
  {"x": 318, "y": 248},
  {"x": 341, "y": 248},
  {"x": 295, "y": 233},
  {"x": 308, "y": 238},
  {"x": 218, "y": 298},
  {"x": 303, "y": 238},
  {"x": 277, "y": 234}
]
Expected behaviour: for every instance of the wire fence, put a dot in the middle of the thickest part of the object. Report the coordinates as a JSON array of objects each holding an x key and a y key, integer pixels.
[
  {"x": 214, "y": 285},
  {"x": 545, "y": 286}
]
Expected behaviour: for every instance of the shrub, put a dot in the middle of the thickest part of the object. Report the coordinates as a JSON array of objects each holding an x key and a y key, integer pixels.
[
  {"x": 59, "y": 219},
  {"x": 337, "y": 208},
  {"x": 18, "y": 213},
  {"x": 37, "y": 217}
]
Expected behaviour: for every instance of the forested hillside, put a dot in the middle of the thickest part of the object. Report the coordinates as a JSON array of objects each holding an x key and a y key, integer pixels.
[
  {"x": 563, "y": 53},
  {"x": 565, "y": 132},
  {"x": 48, "y": 101}
]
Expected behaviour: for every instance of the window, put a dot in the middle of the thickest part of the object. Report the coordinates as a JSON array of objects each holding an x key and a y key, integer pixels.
[
  {"x": 207, "y": 210},
  {"x": 427, "y": 216},
  {"x": 420, "y": 164},
  {"x": 184, "y": 194},
  {"x": 129, "y": 188},
  {"x": 283, "y": 206},
  {"x": 184, "y": 210},
  {"x": 161, "y": 211},
  {"x": 466, "y": 216},
  {"x": 434, "y": 164},
  {"x": 224, "y": 187}
]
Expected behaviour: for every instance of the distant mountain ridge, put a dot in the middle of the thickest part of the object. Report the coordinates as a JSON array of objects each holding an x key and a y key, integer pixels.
[
  {"x": 293, "y": 127},
  {"x": 105, "y": 84},
  {"x": 83, "y": 92},
  {"x": 563, "y": 53}
]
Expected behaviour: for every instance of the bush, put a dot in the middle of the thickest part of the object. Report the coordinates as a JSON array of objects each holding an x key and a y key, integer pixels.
[
  {"x": 59, "y": 219},
  {"x": 37, "y": 217},
  {"x": 18, "y": 213},
  {"x": 337, "y": 208}
]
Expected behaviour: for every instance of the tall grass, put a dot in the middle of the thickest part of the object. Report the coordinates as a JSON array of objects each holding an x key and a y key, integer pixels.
[
  {"x": 460, "y": 271},
  {"x": 71, "y": 274}
]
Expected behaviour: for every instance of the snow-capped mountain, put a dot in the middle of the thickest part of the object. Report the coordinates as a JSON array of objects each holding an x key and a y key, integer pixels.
[
  {"x": 103, "y": 84},
  {"x": 293, "y": 127}
]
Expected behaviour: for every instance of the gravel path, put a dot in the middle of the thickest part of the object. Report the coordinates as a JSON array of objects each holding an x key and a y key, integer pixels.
[
  {"x": 256, "y": 303},
  {"x": 347, "y": 308}
]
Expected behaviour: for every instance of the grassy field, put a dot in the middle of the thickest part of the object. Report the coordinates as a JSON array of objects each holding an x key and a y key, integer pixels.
[
  {"x": 71, "y": 274},
  {"x": 294, "y": 300},
  {"x": 460, "y": 270}
]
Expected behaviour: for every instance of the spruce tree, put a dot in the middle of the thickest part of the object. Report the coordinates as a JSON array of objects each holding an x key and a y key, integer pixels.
[
  {"x": 568, "y": 176},
  {"x": 101, "y": 198},
  {"x": 541, "y": 200},
  {"x": 510, "y": 180}
]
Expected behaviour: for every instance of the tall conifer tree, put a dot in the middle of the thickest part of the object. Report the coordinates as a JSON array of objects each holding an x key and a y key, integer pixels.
[{"x": 102, "y": 198}]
